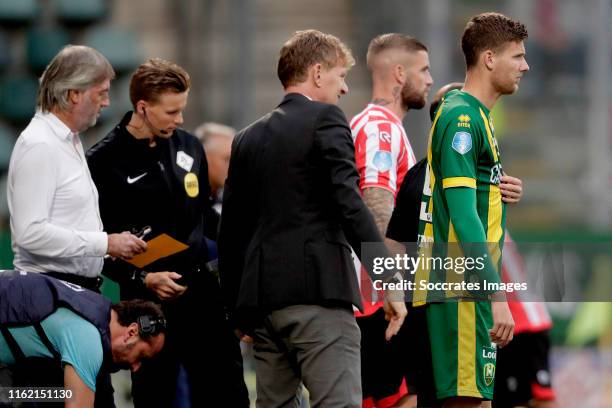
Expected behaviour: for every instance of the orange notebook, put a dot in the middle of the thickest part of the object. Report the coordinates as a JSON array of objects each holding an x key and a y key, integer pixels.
[{"x": 159, "y": 247}]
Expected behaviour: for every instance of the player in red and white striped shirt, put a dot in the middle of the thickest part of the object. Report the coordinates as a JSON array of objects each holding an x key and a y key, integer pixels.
[
  {"x": 400, "y": 81},
  {"x": 382, "y": 149},
  {"x": 528, "y": 316}
]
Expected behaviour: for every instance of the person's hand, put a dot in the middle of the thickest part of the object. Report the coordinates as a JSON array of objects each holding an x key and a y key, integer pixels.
[
  {"x": 395, "y": 312},
  {"x": 503, "y": 323},
  {"x": 511, "y": 189},
  {"x": 163, "y": 284},
  {"x": 243, "y": 337},
  {"x": 125, "y": 245}
]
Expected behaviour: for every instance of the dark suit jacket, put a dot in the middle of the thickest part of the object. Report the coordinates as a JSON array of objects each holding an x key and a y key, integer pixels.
[{"x": 291, "y": 208}]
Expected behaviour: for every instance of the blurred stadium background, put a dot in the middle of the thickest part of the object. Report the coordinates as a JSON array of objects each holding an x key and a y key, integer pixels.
[{"x": 555, "y": 133}]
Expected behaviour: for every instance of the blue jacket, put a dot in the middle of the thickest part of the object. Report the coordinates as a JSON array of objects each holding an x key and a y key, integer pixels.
[{"x": 28, "y": 298}]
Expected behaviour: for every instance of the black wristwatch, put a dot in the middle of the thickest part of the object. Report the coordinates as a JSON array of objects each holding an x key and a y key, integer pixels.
[{"x": 139, "y": 276}]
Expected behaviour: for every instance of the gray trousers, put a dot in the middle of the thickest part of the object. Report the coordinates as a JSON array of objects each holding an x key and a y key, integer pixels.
[{"x": 316, "y": 345}]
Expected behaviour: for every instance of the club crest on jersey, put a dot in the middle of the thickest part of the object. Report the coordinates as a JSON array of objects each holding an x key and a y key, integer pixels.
[
  {"x": 462, "y": 142},
  {"x": 382, "y": 160},
  {"x": 488, "y": 373},
  {"x": 464, "y": 121}
]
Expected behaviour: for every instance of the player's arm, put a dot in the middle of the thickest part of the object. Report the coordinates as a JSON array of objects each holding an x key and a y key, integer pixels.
[
  {"x": 380, "y": 204},
  {"x": 82, "y": 395},
  {"x": 458, "y": 164},
  {"x": 468, "y": 228},
  {"x": 383, "y": 140}
]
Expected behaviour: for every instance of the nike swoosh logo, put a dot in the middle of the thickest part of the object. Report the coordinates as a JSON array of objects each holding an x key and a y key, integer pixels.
[{"x": 135, "y": 179}]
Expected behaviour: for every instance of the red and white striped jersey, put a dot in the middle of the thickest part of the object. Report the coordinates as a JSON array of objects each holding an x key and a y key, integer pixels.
[
  {"x": 382, "y": 151},
  {"x": 383, "y": 156},
  {"x": 528, "y": 316}
]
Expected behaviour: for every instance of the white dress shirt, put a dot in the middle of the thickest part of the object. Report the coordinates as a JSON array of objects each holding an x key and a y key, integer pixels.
[{"x": 53, "y": 202}]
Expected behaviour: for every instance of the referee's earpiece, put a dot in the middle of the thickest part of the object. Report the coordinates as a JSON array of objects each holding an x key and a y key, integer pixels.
[{"x": 162, "y": 131}]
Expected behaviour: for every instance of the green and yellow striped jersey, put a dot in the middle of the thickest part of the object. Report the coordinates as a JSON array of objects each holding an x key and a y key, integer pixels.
[{"x": 462, "y": 152}]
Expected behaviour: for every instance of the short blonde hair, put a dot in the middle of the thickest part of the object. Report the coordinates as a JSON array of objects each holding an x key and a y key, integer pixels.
[{"x": 306, "y": 48}]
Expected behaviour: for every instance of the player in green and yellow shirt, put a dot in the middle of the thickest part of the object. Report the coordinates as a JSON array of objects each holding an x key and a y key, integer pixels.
[{"x": 463, "y": 205}]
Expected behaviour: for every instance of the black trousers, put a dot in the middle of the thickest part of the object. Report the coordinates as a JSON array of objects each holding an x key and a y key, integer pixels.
[{"x": 200, "y": 340}]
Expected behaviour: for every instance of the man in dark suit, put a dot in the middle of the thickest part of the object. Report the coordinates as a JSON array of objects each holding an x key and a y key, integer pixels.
[{"x": 291, "y": 212}]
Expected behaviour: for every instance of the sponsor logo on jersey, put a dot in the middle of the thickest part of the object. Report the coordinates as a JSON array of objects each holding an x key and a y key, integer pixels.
[
  {"x": 464, "y": 121},
  {"x": 462, "y": 142},
  {"x": 496, "y": 173},
  {"x": 488, "y": 373},
  {"x": 382, "y": 160},
  {"x": 191, "y": 185},
  {"x": 385, "y": 137},
  {"x": 489, "y": 352}
]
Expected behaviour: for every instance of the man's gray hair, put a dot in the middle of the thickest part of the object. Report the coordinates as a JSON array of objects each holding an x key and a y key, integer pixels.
[
  {"x": 205, "y": 130},
  {"x": 75, "y": 67}
]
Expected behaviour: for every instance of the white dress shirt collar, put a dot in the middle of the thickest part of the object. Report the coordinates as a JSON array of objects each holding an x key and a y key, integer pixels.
[{"x": 59, "y": 128}]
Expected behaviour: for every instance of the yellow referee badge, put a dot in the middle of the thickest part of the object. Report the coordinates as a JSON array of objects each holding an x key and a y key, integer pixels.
[{"x": 191, "y": 185}]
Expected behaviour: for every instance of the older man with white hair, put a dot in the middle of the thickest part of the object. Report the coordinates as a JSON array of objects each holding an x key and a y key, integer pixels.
[{"x": 53, "y": 202}]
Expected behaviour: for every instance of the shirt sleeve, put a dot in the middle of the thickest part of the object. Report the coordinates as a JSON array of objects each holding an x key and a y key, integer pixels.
[
  {"x": 470, "y": 231},
  {"x": 78, "y": 342},
  {"x": 377, "y": 164},
  {"x": 32, "y": 187},
  {"x": 459, "y": 149}
]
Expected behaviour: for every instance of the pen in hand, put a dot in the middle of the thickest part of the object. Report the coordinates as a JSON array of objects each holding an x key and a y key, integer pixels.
[{"x": 126, "y": 245}]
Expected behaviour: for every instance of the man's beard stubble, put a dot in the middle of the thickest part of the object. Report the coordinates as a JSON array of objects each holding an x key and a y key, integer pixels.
[{"x": 411, "y": 99}]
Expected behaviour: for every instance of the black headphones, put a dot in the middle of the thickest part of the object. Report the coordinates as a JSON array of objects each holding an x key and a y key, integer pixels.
[{"x": 149, "y": 326}]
